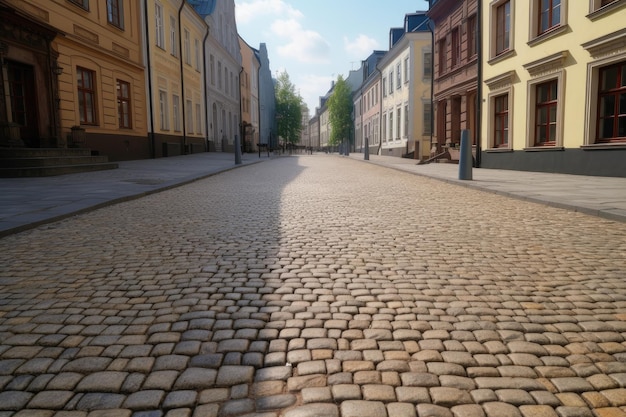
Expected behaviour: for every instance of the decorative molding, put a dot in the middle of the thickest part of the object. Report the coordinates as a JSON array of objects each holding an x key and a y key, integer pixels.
[
  {"x": 550, "y": 64},
  {"x": 86, "y": 34},
  {"x": 120, "y": 50},
  {"x": 23, "y": 36},
  {"x": 501, "y": 81},
  {"x": 607, "y": 45},
  {"x": 35, "y": 11}
]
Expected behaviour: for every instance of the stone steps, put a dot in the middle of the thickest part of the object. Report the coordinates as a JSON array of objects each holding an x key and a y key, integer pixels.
[{"x": 44, "y": 162}]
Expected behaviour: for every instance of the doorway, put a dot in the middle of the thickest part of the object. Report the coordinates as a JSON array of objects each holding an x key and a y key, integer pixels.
[{"x": 23, "y": 101}]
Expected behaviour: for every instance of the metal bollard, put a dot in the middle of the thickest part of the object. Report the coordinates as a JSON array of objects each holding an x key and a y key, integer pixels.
[
  {"x": 367, "y": 150},
  {"x": 237, "y": 151},
  {"x": 465, "y": 158}
]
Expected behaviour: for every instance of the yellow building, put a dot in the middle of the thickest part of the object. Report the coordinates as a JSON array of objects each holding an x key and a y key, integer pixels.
[
  {"x": 175, "y": 36},
  {"x": 74, "y": 75},
  {"x": 249, "y": 85},
  {"x": 554, "y": 86}
]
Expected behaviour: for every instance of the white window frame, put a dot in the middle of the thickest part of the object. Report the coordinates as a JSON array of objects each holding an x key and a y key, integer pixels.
[
  {"x": 176, "y": 112},
  {"x": 159, "y": 25},
  {"x": 493, "y": 33},
  {"x": 198, "y": 119},
  {"x": 189, "y": 116},
  {"x": 187, "y": 46},
  {"x": 196, "y": 47},
  {"x": 531, "y": 113},
  {"x": 406, "y": 70},
  {"x": 164, "y": 110},
  {"x": 173, "y": 45},
  {"x": 534, "y": 36}
]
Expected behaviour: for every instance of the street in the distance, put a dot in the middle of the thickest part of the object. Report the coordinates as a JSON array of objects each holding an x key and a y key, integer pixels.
[{"x": 315, "y": 286}]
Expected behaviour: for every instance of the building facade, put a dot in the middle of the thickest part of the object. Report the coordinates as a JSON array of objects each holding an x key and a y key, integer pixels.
[
  {"x": 73, "y": 75},
  {"x": 249, "y": 87},
  {"x": 555, "y": 87},
  {"x": 267, "y": 101},
  {"x": 406, "y": 89},
  {"x": 223, "y": 62},
  {"x": 174, "y": 34},
  {"x": 455, "y": 81},
  {"x": 367, "y": 105}
]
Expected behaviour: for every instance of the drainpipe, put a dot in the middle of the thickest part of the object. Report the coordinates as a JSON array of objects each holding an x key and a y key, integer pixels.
[
  {"x": 479, "y": 70},
  {"x": 242, "y": 126},
  {"x": 380, "y": 112},
  {"x": 182, "y": 75},
  {"x": 149, "y": 68},
  {"x": 206, "y": 88},
  {"x": 432, "y": 79}
]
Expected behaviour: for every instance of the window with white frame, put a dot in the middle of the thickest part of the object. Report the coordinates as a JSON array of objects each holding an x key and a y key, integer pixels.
[
  {"x": 196, "y": 48},
  {"x": 398, "y": 76},
  {"x": 545, "y": 111},
  {"x": 187, "y": 43},
  {"x": 198, "y": 119},
  {"x": 597, "y": 5},
  {"x": 189, "y": 116},
  {"x": 173, "y": 45},
  {"x": 427, "y": 117},
  {"x": 391, "y": 82},
  {"x": 501, "y": 22},
  {"x": 500, "y": 108},
  {"x": 212, "y": 69},
  {"x": 611, "y": 119},
  {"x": 384, "y": 128},
  {"x": 160, "y": 30},
  {"x": 176, "y": 110},
  {"x": 406, "y": 120},
  {"x": 546, "y": 17},
  {"x": 385, "y": 87},
  {"x": 219, "y": 75},
  {"x": 164, "y": 110},
  {"x": 390, "y": 136},
  {"x": 398, "y": 123},
  {"x": 427, "y": 69},
  {"x": 406, "y": 70}
]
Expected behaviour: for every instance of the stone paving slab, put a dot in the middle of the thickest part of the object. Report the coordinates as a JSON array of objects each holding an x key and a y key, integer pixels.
[{"x": 315, "y": 286}]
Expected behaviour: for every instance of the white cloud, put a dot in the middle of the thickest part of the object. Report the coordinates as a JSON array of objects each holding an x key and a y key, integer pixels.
[
  {"x": 360, "y": 47},
  {"x": 311, "y": 87},
  {"x": 259, "y": 9},
  {"x": 302, "y": 45}
]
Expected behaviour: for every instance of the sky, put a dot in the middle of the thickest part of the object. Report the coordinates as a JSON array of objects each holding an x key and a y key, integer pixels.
[{"x": 315, "y": 41}]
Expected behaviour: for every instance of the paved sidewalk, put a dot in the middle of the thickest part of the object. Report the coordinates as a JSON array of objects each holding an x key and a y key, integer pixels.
[
  {"x": 598, "y": 196},
  {"x": 29, "y": 202}
]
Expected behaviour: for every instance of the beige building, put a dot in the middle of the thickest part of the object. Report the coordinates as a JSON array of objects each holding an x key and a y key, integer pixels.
[
  {"x": 174, "y": 54},
  {"x": 249, "y": 84},
  {"x": 73, "y": 75},
  {"x": 554, "y": 86},
  {"x": 406, "y": 86}
]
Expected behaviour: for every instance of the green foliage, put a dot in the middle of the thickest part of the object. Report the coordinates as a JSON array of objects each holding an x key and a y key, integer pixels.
[
  {"x": 340, "y": 112},
  {"x": 289, "y": 106}
]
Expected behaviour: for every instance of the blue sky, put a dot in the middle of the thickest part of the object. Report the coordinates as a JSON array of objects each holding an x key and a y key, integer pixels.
[{"x": 316, "y": 40}]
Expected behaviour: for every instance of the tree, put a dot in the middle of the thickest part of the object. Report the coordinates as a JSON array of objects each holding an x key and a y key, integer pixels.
[
  {"x": 288, "y": 109},
  {"x": 340, "y": 112}
]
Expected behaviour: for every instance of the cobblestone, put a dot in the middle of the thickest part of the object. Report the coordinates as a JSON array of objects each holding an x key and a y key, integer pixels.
[{"x": 220, "y": 307}]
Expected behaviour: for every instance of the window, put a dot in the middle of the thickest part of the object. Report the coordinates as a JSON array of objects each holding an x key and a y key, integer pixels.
[
  {"x": 226, "y": 80},
  {"x": 406, "y": 70},
  {"x": 164, "y": 110},
  {"x": 428, "y": 64},
  {"x": 187, "y": 43},
  {"x": 611, "y": 124},
  {"x": 219, "y": 75},
  {"x": 212, "y": 65},
  {"x": 501, "y": 121},
  {"x": 503, "y": 27},
  {"x": 390, "y": 125},
  {"x": 196, "y": 47},
  {"x": 86, "y": 96},
  {"x": 115, "y": 13},
  {"x": 406, "y": 121},
  {"x": 384, "y": 87},
  {"x": 398, "y": 76},
  {"x": 176, "y": 109},
  {"x": 456, "y": 47},
  {"x": 443, "y": 59},
  {"x": 546, "y": 113},
  {"x": 189, "y": 116},
  {"x": 471, "y": 36},
  {"x": 427, "y": 118},
  {"x": 391, "y": 82},
  {"x": 82, "y": 3},
  {"x": 549, "y": 15},
  {"x": 173, "y": 46},
  {"x": 198, "y": 119},
  {"x": 123, "y": 104},
  {"x": 160, "y": 34},
  {"x": 398, "y": 124}
]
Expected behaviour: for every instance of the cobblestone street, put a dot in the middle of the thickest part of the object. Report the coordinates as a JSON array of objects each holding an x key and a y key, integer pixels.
[{"x": 315, "y": 286}]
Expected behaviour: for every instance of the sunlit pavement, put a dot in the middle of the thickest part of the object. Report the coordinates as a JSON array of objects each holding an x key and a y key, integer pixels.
[{"x": 315, "y": 286}]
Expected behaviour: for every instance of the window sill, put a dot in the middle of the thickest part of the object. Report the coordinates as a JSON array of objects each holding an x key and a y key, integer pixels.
[
  {"x": 548, "y": 35},
  {"x": 544, "y": 148},
  {"x": 604, "y": 146},
  {"x": 501, "y": 57},
  {"x": 498, "y": 150},
  {"x": 602, "y": 11}
]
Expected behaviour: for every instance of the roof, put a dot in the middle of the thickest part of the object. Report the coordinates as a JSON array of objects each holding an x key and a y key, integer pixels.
[{"x": 203, "y": 7}]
